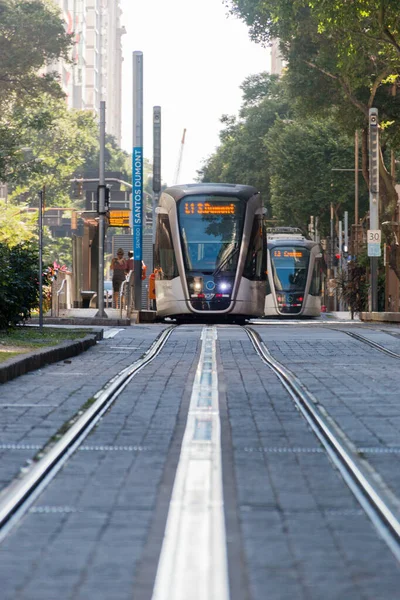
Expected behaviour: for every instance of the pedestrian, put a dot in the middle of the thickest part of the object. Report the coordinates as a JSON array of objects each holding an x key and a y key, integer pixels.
[
  {"x": 129, "y": 265},
  {"x": 118, "y": 267}
]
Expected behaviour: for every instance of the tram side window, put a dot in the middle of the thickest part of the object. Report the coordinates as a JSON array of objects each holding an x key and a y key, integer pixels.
[
  {"x": 315, "y": 286},
  {"x": 164, "y": 250},
  {"x": 255, "y": 265}
]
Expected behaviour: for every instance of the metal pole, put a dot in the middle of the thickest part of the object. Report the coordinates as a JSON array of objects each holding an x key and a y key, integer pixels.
[
  {"x": 356, "y": 180},
  {"x": 156, "y": 163},
  {"x": 137, "y": 175},
  {"x": 374, "y": 249},
  {"x": 102, "y": 213},
  {"x": 41, "y": 258}
]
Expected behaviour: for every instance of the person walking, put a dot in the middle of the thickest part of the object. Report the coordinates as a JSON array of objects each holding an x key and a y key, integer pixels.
[
  {"x": 129, "y": 274},
  {"x": 118, "y": 267},
  {"x": 130, "y": 263}
]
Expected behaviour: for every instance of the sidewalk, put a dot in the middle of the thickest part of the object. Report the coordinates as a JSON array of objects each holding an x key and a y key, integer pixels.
[
  {"x": 87, "y": 316},
  {"x": 344, "y": 315}
]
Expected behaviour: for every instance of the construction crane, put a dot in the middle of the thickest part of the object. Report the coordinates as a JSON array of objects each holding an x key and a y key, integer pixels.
[{"x": 179, "y": 164}]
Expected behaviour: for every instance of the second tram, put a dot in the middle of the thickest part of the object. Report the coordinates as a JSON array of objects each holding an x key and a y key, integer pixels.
[
  {"x": 294, "y": 274},
  {"x": 210, "y": 253}
]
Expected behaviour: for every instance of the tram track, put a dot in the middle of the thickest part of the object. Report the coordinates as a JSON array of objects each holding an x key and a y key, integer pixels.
[
  {"x": 376, "y": 501},
  {"x": 19, "y": 495},
  {"x": 370, "y": 343},
  {"x": 352, "y": 334}
]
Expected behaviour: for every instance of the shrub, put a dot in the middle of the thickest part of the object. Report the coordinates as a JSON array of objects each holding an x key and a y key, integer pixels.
[{"x": 19, "y": 284}]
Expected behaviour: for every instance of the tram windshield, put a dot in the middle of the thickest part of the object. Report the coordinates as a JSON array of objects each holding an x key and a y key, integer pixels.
[
  {"x": 290, "y": 268},
  {"x": 211, "y": 230}
]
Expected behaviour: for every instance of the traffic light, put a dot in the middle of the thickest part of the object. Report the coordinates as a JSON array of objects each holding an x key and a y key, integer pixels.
[
  {"x": 336, "y": 259},
  {"x": 78, "y": 190},
  {"x": 106, "y": 198}
]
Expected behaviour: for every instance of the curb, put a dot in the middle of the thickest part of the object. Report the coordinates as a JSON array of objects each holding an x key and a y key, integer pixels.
[
  {"x": 110, "y": 322},
  {"x": 383, "y": 317},
  {"x": 16, "y": 366}
]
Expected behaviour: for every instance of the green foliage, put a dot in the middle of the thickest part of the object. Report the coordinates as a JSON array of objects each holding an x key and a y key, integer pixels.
[
  {"x": 302, "y": 156},
  {"x": 59, "y": 141},
  {"x": 343, "y": 55},
  {"x": 41, "y": 142},
  {"x": 288, "y": 158},
  {"x": 242, "y": 155},
  {"x": 17, "y": 225},
  {"x": 115, "y": 158},
  {"x": 32, "y": 36},
  {"x": 57, "y": 250},
  {"x": 18, "y": 283}
]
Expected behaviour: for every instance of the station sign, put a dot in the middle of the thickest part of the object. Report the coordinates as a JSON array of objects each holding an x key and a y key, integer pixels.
[
  {"x": 374, "y": 239},
  {"x": 119, "y": 218}
]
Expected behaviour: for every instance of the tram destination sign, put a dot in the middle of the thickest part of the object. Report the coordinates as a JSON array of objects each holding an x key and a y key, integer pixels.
[
  {"x": 288, "y": 254},
  {"x": 209, "y": 208},
  {"x": 119, "y": 218}
]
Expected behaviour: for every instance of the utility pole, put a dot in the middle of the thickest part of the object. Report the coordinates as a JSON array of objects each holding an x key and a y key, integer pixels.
[
  {"x": 374, "y": 233},
  {"x": 137, "y": 175},
  {"x": 356, "y": 180},
  {"x": 330, "y": 262},
  {"x": 101, "y": 209},
  {"x": 156, "y": 163},
  {"x": 41, "y": 204}
]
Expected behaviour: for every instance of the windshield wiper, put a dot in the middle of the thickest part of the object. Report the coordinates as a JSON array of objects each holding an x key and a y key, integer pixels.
[{"x": 226, "y": 259}]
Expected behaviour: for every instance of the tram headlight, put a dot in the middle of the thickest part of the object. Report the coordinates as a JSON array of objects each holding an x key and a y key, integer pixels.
[
  {"x": 197, "y": 286},
  {"x": 223, "y": 286}
]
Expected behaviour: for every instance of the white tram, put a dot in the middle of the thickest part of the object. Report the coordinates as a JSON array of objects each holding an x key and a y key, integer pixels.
[
  {"x": 294, "y": 274},
  {"x": 210, "y": 253}
]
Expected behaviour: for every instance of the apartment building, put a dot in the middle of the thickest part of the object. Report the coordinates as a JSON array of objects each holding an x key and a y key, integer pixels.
[
  {"x": 97, "y": 53},
  {"x": 277, "y": 63}
]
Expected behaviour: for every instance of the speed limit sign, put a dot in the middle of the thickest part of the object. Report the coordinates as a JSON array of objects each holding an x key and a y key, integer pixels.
[
  {"x": 374, "y": 242},
  {"x": 374, "y": 236}
]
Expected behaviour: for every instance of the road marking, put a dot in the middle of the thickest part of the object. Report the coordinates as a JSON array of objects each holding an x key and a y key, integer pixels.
[
  {"x": 29, "y": 405},
  {"x": 193, "y": 559},
  {"x": 110, "y": 333}
]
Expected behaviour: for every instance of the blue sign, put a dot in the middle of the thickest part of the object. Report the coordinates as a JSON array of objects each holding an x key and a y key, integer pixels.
[
  {"x": 137, "y": 201},
  {"x": 374, "y": 249}
]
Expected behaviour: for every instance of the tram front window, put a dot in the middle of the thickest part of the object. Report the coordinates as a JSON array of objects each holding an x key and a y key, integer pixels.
[
  {"x": 211, "y": 230},
  {"x": 290, "y": 268}
]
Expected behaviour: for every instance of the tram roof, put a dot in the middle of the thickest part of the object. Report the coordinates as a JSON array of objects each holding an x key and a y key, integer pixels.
[{"x": 244, "y": 192}]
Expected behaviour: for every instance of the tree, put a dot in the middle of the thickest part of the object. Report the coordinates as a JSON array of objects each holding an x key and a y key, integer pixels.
[
  {"x": 32, "y": 36},
  {"x": 17, "y": 225},
  {"x": 302, "y": 156},
  {"x": 339, "y": 54},
  {"x": 242, "y": 155},
  {"x": 58, "y": 140},
  {"x": 18, "y": 283}
]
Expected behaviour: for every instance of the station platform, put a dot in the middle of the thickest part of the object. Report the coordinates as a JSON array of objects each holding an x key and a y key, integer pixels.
[{"x": 202, "y": 479}]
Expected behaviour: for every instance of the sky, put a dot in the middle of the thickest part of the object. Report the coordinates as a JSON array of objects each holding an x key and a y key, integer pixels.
[{"x": 195, "y": 57}]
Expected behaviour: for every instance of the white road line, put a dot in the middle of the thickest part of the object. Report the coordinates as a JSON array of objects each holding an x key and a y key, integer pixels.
[
  {"x": 193, "y": 560},
  {"x": 110, "y": 333}
]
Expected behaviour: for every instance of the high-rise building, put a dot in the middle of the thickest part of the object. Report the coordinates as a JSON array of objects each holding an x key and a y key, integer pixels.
[
  {"x": 277, "y": 63},
  {"x": 95, "y": 74}
]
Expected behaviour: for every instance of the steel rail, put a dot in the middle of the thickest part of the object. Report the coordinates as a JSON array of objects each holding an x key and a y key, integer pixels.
[
  {"x": 383, "y": 512},
  {"x": 16, "y": 499},
  {"x": 370, "y": 343}
]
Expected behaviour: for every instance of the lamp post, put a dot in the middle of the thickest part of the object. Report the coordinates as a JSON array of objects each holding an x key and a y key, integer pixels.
[
  {"x": 41, "y": 204},
  {"x": 374, "y": 233},
  {"x": 101, "y": 313}
]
